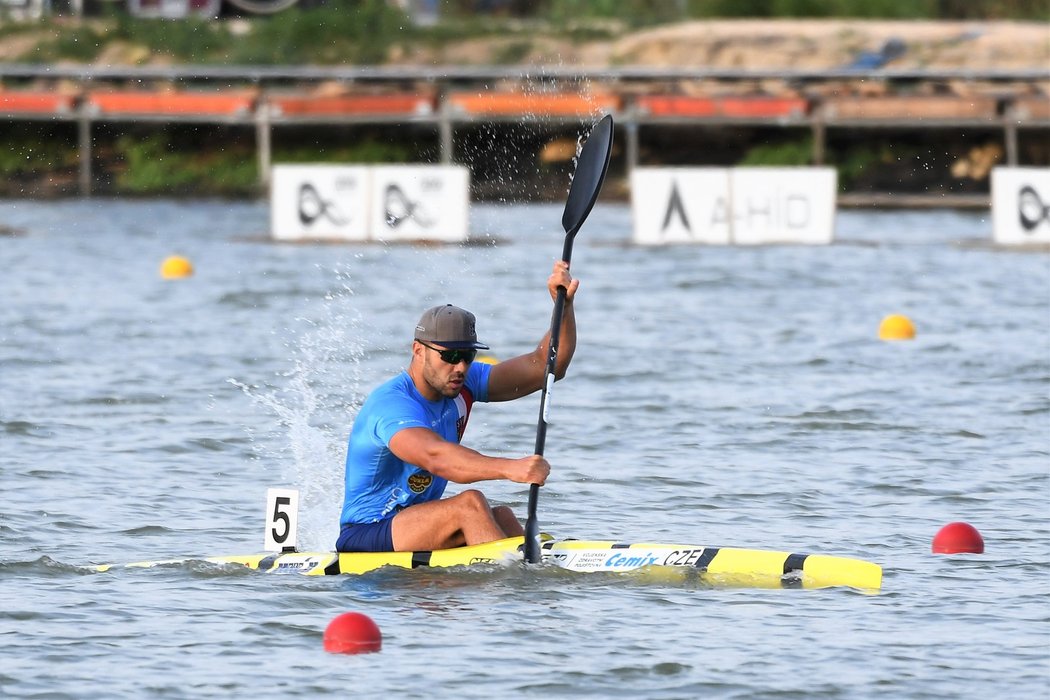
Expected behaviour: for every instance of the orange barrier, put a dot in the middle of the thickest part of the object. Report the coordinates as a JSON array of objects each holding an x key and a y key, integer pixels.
[
  {"x": 538, "y": 104},
  {"x": 1035, "y": 108},
  {"x": 756, "y": 106},
  {"x": 35, "y": 102},
  {"x": 918, "y": 108},
  {"x": 308, "y": 105},
  {"x": 171, "y": 103}
]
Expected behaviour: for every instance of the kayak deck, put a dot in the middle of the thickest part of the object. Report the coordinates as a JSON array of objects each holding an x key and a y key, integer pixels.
[{"x": 667, "y": 562}]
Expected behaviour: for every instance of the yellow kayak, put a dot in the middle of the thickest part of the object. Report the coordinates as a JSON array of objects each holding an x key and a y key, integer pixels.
[{"x": 665, "y": 562}]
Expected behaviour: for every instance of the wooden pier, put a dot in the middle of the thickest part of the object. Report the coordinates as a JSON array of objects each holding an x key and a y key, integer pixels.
[{"x": 1011, "y": 105}]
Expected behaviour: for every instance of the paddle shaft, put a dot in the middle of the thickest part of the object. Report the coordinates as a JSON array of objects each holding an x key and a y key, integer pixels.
[
  {"x": 583, "y": 193},
  {"x": 532, "y": 526}
]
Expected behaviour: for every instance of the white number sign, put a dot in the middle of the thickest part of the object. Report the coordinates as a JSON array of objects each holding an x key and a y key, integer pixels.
[{"x": 282, "y": 519}]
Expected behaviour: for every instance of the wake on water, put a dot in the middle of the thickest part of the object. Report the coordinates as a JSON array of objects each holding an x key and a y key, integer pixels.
[{"x": 315, "y": 407}]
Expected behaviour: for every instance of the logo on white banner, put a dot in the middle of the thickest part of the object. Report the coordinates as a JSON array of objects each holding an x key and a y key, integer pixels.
[
  {"x": 1030, "y": 209},
  {"x": 399, "y": 209},
  {"x": 675, "y": 206},
  {"x": 779, "y": 210},
  {"x": 1021, "y": 206},
  {"x": 313, "y": 207},
  {"x": 744, "y": 206}
]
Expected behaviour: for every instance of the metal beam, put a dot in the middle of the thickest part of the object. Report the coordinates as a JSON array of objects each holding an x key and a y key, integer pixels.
[{"x": 260, "y": 74}]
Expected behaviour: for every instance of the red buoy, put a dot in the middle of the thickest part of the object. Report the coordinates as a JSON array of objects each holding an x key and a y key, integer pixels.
[
  {"x": 957, "y": 538},
  {"x": 352, "y": 633}
]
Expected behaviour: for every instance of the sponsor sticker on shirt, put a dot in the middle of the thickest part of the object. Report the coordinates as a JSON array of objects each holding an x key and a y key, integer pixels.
[{"x": 420, "y": 482}]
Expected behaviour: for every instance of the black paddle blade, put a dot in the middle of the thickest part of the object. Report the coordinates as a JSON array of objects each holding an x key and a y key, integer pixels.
[{"x": 590, "y": 174}]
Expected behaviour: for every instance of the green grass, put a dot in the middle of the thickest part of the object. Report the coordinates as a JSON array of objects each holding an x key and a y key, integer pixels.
[
  {"x": 322, "y": 36},
  {"x": 179, "y": 160},
  {"x": 367, "y": 31},
  {"x": 155, "y": 164},
  {"x": 31, "y": 148},
  {"x": 366, "y": 151},
  {"x": 799, "y": 152},
  {"x": 852, "y": 163}
]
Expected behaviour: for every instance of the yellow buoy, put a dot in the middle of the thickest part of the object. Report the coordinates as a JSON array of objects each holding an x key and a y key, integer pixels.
[
  {"x": 487, "y": 359},
  {"x": 896, "y": 327},
  {"x": 176, "y": 267}
]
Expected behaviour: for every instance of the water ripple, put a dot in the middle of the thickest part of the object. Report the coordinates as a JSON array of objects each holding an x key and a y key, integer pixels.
[{"x": 732, "y": 397}]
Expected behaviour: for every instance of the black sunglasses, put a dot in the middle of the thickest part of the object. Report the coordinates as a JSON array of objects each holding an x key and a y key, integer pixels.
[{"x": 453, "y": 356}]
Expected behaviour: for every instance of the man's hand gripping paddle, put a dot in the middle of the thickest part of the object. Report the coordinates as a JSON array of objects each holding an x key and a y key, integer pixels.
[{"x": 586, "y": 184}]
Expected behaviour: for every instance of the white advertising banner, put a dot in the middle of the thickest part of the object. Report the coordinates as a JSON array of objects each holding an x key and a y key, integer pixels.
[
  {"x": 743, "y": 206},
  {"x": 1021, "y": 206},
  {"x": 680, "y": 205},
  {"x": 420, "y": 202},
  {"x": 783, "y": 205},
  {"x": 319, "y": 202}
]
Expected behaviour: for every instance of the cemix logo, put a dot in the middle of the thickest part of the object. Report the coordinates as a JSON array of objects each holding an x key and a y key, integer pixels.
[
  {"x": 620, "y": 561},
  {"x": 678, "y": 557}
]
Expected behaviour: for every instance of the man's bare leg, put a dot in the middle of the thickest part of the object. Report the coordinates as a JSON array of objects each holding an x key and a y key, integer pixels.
[
  {"x": 465, "y": 518},
  {"x": 507, "y": 521}
]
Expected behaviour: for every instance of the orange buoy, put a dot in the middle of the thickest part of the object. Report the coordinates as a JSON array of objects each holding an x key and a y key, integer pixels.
[
  {"x": 958, "y": 538},
  {"x": 896, "y": 327},
  {"x": 175, "y": 267},
  {"x": 352, "y": 633}
]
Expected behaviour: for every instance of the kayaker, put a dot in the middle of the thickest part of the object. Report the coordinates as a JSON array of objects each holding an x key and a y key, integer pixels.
[{"x": 405, "y": 447}]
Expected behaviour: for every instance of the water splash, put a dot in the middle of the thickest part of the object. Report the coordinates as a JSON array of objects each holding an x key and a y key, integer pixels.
[
  {"x": 506, "y": 157},
  {"x": 315, "y": 402}
]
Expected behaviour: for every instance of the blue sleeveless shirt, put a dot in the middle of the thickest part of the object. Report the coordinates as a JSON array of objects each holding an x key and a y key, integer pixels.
[{"x": 378, "y": 483}]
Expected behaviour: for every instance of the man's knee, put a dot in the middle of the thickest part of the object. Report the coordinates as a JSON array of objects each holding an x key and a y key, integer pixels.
[{"x": 473, "y": 501}]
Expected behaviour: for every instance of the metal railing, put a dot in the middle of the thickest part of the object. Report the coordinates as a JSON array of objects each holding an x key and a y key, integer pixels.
[
  {"x": 442, "y": 80},
  {"x": 258, "y": 75}
]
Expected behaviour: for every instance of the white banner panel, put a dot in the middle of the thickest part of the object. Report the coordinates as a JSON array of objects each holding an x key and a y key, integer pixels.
[
  {"x": 1021, "y": 206},
  {"x": 680, "y": 205},
  {"x": 420, "y": 202},
  {"x": 746, "y": 206},
  {"x": 783, "y": 205},
  {"x": 319, "y": 202}
]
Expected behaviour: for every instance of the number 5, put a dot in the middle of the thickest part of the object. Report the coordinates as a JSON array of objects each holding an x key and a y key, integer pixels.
[{"x": 282, "y": 514}]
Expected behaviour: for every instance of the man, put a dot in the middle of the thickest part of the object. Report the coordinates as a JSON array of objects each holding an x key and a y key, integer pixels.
[{"x": 404, "y": 446}]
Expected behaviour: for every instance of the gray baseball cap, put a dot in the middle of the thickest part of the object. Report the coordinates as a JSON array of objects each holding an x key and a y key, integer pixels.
[{"x": 450, "y": 327}]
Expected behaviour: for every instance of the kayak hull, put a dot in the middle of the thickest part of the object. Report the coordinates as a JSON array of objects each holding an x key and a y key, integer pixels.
[{"x": 665, "y": 562}]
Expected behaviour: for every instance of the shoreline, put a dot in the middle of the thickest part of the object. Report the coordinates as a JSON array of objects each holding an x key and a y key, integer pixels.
[{"x": 926, "y": 124}]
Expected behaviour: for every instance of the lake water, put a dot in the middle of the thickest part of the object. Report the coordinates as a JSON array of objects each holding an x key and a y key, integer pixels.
[{"x": 719, "y": 396}]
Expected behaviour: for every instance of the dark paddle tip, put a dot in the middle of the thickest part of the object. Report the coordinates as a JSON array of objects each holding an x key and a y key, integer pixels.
[
  {"x": 532, "y": 542},
  {"x": 591, "y": 167}
]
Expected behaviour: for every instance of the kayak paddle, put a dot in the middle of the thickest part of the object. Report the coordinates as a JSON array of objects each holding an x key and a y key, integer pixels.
[{"x": 591, "y": 167}]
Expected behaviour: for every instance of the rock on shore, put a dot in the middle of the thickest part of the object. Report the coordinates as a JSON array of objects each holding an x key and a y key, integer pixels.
[{"x": 778, "y": 44}]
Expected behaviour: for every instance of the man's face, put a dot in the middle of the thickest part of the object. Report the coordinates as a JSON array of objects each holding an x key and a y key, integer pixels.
[{"x": 441, "y": 375}]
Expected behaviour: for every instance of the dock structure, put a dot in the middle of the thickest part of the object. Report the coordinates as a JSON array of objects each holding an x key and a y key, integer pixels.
[{"x": 1008, "y": 104}]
